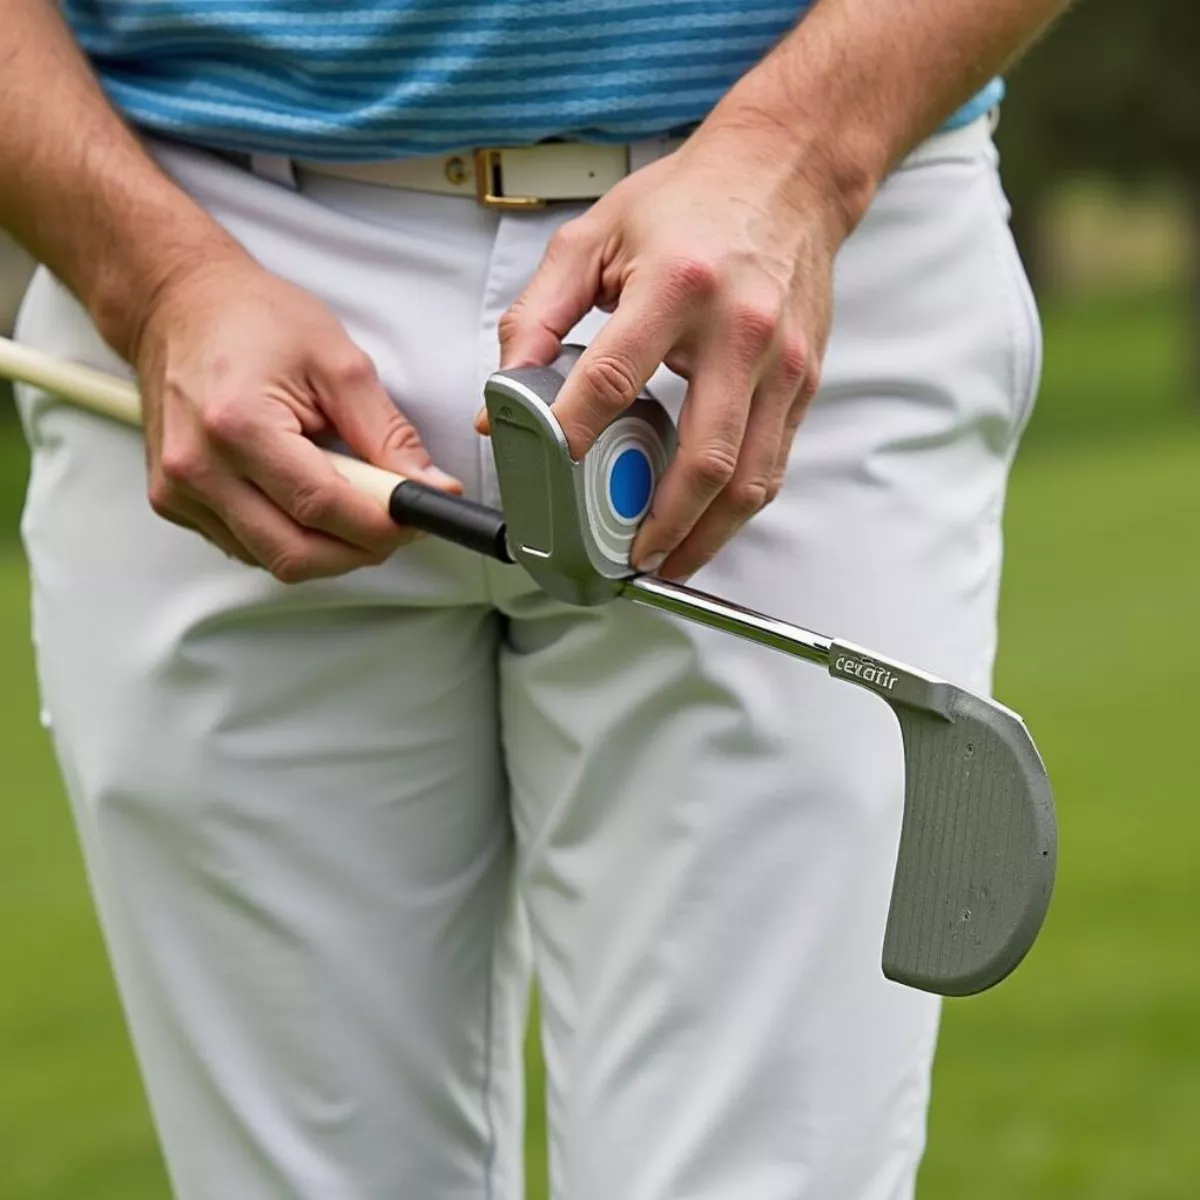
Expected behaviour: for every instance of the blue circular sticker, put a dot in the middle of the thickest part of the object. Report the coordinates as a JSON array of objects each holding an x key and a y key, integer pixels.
[{"x": 630, "y": 483}]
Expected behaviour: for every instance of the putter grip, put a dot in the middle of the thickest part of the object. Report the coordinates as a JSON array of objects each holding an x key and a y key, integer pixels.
[{"x": 463, "y": 522}]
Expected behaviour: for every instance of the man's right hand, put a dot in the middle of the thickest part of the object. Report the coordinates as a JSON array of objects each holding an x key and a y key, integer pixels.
[
  {"x": 238, "y": 369},
  {"x": 239, "y": 372}
]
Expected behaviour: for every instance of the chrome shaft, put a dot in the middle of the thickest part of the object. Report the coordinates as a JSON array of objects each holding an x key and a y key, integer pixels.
[{"x": 728, "y": 618}]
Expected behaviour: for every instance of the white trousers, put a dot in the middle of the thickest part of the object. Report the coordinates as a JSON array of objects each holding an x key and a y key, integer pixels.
[{"x": 331, "y": 827}]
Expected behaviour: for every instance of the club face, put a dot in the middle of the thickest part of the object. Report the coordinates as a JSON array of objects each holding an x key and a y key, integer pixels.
[{"x": 978, "y": 843}]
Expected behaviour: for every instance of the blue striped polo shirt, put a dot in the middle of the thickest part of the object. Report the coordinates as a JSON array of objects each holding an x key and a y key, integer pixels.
[{"x": 377, "y": 79}]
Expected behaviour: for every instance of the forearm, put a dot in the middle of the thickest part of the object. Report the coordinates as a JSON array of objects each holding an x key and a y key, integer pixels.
[
  {"x": 80, "y": 191},
  {"x": 859, "y": 82}
]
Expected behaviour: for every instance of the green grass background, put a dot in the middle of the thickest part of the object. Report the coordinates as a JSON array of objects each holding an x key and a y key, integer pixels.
[{"x": 1079, "y": 1078}]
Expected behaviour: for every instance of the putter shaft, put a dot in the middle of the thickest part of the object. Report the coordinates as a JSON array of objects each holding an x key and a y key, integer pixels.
[{"x": 719, "y": 614}]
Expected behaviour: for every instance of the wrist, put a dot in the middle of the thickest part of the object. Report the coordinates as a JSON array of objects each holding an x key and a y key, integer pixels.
[
  {"x": 804, "y": 145},
  {"x": 142, "y": 260}
]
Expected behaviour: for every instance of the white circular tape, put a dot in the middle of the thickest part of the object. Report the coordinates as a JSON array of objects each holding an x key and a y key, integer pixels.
[{"x": 613, "y": 531}]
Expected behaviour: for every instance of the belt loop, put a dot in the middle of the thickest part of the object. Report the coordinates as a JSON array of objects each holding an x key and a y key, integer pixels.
[{"x": 275, "y": 168}]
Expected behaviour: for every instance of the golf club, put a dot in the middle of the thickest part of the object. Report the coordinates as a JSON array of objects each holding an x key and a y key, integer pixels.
[{"x": 978, "y": 842}]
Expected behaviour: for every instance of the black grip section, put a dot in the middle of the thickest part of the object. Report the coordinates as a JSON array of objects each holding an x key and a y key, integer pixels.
[{"x": 463, "y": 522}]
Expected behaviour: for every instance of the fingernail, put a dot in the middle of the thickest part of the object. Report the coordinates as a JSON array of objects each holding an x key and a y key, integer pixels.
[
  {"x": 439, "y": 479},
  {"x": 481, "y": 421},
  {"x": 649, "y": 563}
]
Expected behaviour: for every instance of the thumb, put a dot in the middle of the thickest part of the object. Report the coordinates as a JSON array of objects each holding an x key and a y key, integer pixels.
[{"x": 370, "y": 424}]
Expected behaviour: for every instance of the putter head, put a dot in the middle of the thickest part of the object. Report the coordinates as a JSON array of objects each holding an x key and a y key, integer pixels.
[
  {"x": 571, "y": 525},
  {"x": 978, "y": 840}
]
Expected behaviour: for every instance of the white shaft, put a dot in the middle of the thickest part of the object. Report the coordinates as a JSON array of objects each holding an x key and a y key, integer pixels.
[{"x": 93, "y": 390}]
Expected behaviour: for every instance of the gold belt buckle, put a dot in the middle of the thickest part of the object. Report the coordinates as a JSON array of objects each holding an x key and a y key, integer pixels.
[{"x": 489, "y": 182}]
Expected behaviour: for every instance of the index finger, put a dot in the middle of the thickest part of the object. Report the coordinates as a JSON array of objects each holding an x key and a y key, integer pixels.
[
  {"x": 300, "y": 478},
  {"x": 612, "y": 372}
]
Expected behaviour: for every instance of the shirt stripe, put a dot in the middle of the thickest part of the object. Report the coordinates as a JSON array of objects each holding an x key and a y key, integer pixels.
[{"x": 371, "y": 79}]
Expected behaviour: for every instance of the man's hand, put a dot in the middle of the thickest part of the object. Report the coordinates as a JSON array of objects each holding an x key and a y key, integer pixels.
[
  {"x": 717, "y": 260},
  {"x": 239, "y": 371},
  {"x": 718, "y": 264}
]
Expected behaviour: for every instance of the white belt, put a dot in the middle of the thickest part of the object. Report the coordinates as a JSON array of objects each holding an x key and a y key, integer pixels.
[
  {"x": 507, "y": 177},
  {"x": 527, "y": 177}
]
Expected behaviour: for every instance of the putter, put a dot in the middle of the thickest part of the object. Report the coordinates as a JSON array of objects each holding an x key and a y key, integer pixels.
[{"x": 978, "y": 841}]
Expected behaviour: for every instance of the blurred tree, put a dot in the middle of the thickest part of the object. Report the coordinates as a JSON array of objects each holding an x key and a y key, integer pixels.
[{"x": 1115, "y": 89}]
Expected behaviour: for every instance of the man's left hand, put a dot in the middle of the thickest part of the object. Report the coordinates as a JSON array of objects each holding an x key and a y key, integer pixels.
[{"x": 717, "y": 262}]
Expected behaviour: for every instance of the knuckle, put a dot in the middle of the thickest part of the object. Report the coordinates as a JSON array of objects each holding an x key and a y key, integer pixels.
[
  {"x": 579, "y": 231},
  {"x": 693, "y": 278},
  {"x": 312, "y": 504},
  {"x": 746, "y": 496},
  {"x": 223, "y": 419},
  {"x": 794, "y": 361},
  {"x": 400, "y": 435},
  {"x": 288, "y": 564},
  {"x": 178, "y": 465},
  {"x": 754, "y": 324},
  {"x": 511, "y": 321},
  {"x": 351, "y": 368},
  {"x": 711, "y": 467},
  {"x": 610, "y": 380},
  {"x": 568, "y": 240}
]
